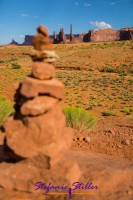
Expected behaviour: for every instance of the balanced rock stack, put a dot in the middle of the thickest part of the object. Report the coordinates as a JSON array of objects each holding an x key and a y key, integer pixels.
[{"x": 37, "y": 139}]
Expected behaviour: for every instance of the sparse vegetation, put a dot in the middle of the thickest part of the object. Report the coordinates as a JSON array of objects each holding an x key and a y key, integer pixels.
[
  {"x": 5, "y": 109},
  {"x": 16, "y": 66},
  {"x": 127, "y": 111},
  {"x": 79, "y": 119},
  {"x": 108, "y": 113},
  {"x": 81, "y": 71}
]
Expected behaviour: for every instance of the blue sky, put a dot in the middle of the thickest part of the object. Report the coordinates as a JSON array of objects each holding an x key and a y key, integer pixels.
[{"x": 21, "y": 17}]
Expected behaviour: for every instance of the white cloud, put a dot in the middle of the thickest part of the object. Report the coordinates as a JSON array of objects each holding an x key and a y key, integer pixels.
[
  {"x": 22, "y": 36},
  {"x": 23, "y": 15},
  {"x": 60, "y": 24},
  {"x": 76, "y": 3},
  {"x": 101, "y": 25},
  {"x": 87, "y": 4},
  {"x": 112, "y": 3}
]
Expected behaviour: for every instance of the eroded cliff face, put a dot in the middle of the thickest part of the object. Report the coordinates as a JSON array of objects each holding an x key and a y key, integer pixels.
[
  {"x": 126, "y": 34},
  {"x": 28, "y": 40},
  {"x": 107, "y": 35}
]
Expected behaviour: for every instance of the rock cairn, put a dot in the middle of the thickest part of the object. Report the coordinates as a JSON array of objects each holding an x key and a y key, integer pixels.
[{"x": 37, "y": 139}]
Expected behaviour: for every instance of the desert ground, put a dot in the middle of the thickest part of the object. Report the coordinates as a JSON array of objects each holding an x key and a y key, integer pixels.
[{"x": 97, "y": 77}]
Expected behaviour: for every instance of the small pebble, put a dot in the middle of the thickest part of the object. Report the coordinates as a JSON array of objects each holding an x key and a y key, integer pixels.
[
  {"x": 129, "y": 193},
  {"x": 87, "y": 139},
  {"x": 111, "y": 131},
  {"x": 80, "y": 139},
  {"x": 75, "y": 139},
  {"x": 127, "y": 142}
]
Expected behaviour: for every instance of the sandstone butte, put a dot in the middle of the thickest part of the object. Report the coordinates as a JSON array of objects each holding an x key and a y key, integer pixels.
[
  {"x": 35, "y": 144},
  {"x": 101, "y": 35}
]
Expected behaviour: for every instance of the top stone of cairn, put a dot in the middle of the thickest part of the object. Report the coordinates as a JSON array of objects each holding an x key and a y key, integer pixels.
[
  {"x": 43, "y": 47},
  {"x": 41, "y": 41},
  {"x": 43, "y": 30}
]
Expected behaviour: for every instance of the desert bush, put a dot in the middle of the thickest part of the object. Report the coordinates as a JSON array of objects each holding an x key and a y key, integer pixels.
[
  {"x": 5, "y": 110},
  {"x": 127, "y": 111},
  {"x": 16, "y": 66},
  {"x": 108, "y": 69},
  {"x": 79, "y": 119},
  {"x": 108, "y": 113},
  {"x": 121, "y": 70}
]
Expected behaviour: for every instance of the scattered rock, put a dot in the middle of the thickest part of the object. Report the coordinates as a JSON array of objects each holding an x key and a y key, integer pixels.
[
  {"x": 80, "y": 138},
  {"x": 111, "y": 131},
  {"x": 127, "y": 142},
  {"x": 129, "y": 192},
  {"x": 75, "y": 139},
  {"x": 87, "y": 139}
]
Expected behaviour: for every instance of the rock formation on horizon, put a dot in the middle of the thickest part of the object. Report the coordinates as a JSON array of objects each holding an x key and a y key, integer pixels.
[
  {"x": 13, "y": 42},
  {"x": 72, "y": 39},
  {"x": 61, "y": 36},
  {"x": 92, "y": 36}
]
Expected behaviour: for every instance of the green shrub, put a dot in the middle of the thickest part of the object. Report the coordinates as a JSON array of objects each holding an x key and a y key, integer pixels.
[
  {"x": 127, "y": 110},
  {"x": 79, "y": 119},
  {"x": 16, "y": 66},
  {"x": 108, "y": 113},
  {"x": 108, "y": 69},
  {"x": 113, "y": 106},
  {"x": 5, "y": 110}
]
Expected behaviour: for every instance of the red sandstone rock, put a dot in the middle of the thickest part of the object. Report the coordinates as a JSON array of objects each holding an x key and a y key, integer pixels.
[
  {"x": 43, "y": 71},
  {"x": 18, "y": 176},
  {"x": 38, "y": 105},
  {"x": 41, "y": 134},
  {"x": 62, "y": 36},
  {"x": 37, "y": 140},
  {"x": 41, "y": 43},
  {"x": 95, "y": 168},
  {"x": 22, "y": 176},
  {"x": 17, "y": 195},
  {"x": 105, "y": 35},
  {"x": 33, "y": 133},
  {"x": 43, "y": 56},
  {"x": 32, "y": 88}
]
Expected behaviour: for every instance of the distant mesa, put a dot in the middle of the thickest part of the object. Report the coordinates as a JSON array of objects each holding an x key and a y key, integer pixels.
[
  {"x": 105, "y": 35},
  {"x": 13, "y": 42},
  {"x": 28, "y": 40}
]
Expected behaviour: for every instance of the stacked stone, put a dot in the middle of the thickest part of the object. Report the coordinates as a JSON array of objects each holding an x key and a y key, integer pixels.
[{"x": 36, "y": 136}]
